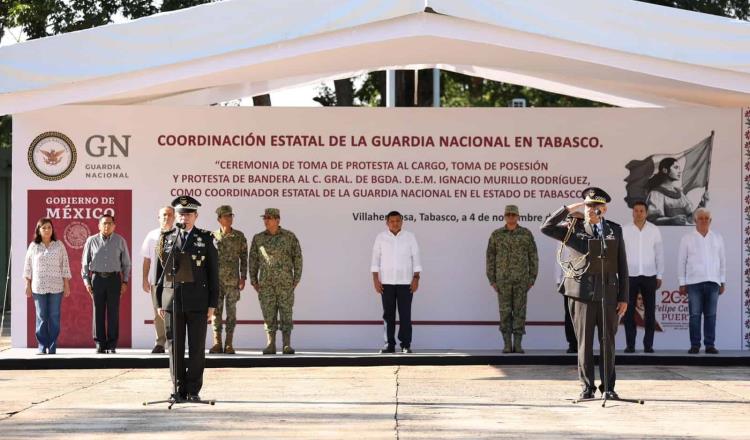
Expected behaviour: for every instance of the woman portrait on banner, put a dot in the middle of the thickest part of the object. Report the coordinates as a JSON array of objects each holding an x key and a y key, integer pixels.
[
  {"x": 47, "y": 274},
  {"x": 667, "y": 203}
]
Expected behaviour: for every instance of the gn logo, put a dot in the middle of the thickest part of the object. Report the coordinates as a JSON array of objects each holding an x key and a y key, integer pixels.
[
  {"x": 52, "y": 155},
  {"x": 98, "y": 146}
]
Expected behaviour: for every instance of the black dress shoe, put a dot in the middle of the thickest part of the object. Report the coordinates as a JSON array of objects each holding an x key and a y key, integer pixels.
[
  {"x": 387, "y": 348},
  {"x": 193, "y": 398},
  {"x": 588, "y": 393},
  {"x": 406, "y": 350},
  {"x": 157, "y": 349},
  {"x": 694, "y": 349},
  {"x": 613, "y": 395},
  {"x": 648, "y": 350},
  {"x": 629, "y": 350},
  {"x": 100, "y": 350},
  {"x": 712, "y": 350},
  {"x": 112, "y": 351},
  {"x": 572, "y": 349}
]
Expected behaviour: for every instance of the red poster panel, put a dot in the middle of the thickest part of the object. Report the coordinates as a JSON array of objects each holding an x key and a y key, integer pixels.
[{"x": 75, "y": 215}]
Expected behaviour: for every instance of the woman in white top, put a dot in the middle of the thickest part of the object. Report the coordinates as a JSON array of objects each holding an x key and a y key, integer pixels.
[{"x": 47, "y": 274}]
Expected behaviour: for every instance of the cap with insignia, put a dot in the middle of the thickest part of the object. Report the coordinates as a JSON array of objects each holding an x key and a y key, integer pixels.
[
  {"x": 272, "y": 212},
  {"x": 511, "y": 209},
  {"x": 223, "y": 210},
  {"x": 593, "y": 194},
  {"x": 185, "y": 204}
]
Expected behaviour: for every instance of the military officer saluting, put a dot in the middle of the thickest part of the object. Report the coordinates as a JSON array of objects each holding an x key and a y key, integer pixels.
[
  {"x": 582, "y": 282},
  {"x": 232, "y": 247},
  {"x": 189, "y": 296},
  {"x": 275, "y": 271}
]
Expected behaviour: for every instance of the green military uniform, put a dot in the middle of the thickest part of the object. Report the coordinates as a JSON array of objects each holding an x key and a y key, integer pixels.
[
  {"x": 276, "y": 268},
  {"x": 512, "y": 266},
  {"x": 232, "y": 249}
]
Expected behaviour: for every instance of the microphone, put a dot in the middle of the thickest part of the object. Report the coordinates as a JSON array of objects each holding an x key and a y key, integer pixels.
[{"x": 179, "y": 225}]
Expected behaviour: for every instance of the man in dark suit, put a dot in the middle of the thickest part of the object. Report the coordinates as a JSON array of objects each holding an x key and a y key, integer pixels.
[
  {"x": 582, "y": 282},
  {"x": 190, "y": 296}
]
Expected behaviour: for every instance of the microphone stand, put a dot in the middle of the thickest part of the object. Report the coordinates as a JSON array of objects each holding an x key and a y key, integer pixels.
[
  {"x": 175, "y": 396},
  {"x": 607, "y": 394}
]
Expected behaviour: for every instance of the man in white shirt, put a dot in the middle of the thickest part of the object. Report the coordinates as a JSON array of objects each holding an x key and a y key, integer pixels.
[
  {"x": 395, "y": 273},
  {"x": 701, "y": 268},
  {"x": 148, "y": 252},
  {"x": 643, "y": 245}
]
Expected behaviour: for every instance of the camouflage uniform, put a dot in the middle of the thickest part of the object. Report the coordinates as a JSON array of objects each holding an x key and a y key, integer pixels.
[
  {"x": 512, "y": 266},
  {"x": 276, "y": 267},
  {"x": 232, "y": 249}
]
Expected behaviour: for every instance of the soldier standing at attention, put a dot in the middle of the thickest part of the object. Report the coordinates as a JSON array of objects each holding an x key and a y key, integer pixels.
[
  {"x": 512, "y": 267},
  {"x": 275, "y": 271},
  {"x": 189, "y": 295},
  {"x": 232, "y": 247}
]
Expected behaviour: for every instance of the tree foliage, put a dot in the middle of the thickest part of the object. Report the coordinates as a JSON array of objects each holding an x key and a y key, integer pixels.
[{"x": 725, "y": 8}]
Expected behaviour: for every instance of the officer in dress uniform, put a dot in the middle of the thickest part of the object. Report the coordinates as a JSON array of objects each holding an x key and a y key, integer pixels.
[
  {"x": 582, "y": 282},
  {"x": 189, "y": 296}
]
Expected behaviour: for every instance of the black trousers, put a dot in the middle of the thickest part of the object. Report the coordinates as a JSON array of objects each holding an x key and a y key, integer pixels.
[
  {"x": 188, "y": 374},
  {"x": 397, "y": 295},
  {"x": 570, "y": 333},
  {"x": 106, "y": 322},
  {"x": 586, "y": 315},
  {"x": 647, "y": 287}
]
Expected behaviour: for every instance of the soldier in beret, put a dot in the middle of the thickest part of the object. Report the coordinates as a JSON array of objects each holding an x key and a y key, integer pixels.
[
  {"x": 275, "y": 271},
  {"x": 582, "y": 282},
  {"x": 232, "y": 247},
  {"x": 189, "y": 297},
  {"x": 512, "y": 266}
]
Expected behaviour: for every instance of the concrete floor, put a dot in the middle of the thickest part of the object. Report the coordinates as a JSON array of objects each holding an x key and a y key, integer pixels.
[{"x": 406, "y": 402}]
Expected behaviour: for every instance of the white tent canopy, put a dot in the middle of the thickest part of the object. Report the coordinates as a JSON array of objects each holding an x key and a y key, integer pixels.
[{"x": 621, "y": 52}]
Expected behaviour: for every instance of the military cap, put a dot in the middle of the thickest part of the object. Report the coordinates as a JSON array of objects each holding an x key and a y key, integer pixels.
[
  {"x": 511, "y": 209},
  {"x": 272, "y": 212},
  {"x": 593, "y": 194},
  {"x": 185, "y": 204},
  {"x": 223, "y": 210}
]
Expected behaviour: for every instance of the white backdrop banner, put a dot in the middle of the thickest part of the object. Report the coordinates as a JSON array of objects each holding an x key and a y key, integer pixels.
[{"x": 335, "y": 173}]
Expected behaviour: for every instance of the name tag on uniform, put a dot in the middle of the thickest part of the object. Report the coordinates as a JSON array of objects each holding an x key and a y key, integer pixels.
[{"x": 199, "y": 244}]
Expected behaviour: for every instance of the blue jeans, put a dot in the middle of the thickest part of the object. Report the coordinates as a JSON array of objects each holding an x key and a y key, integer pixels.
[
  {"x": 702, "y": 300},
  {"x": 47, "y": 320}
]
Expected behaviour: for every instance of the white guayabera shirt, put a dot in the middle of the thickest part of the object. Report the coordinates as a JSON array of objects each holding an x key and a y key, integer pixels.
[{"x": 395, "y": 257}]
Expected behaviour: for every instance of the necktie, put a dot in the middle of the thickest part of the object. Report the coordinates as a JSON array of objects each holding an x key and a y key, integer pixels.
[{"x": 183, "y": 239}]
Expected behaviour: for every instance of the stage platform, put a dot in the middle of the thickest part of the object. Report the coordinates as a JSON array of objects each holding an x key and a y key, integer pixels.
[{"x": 77, "y": 358}]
